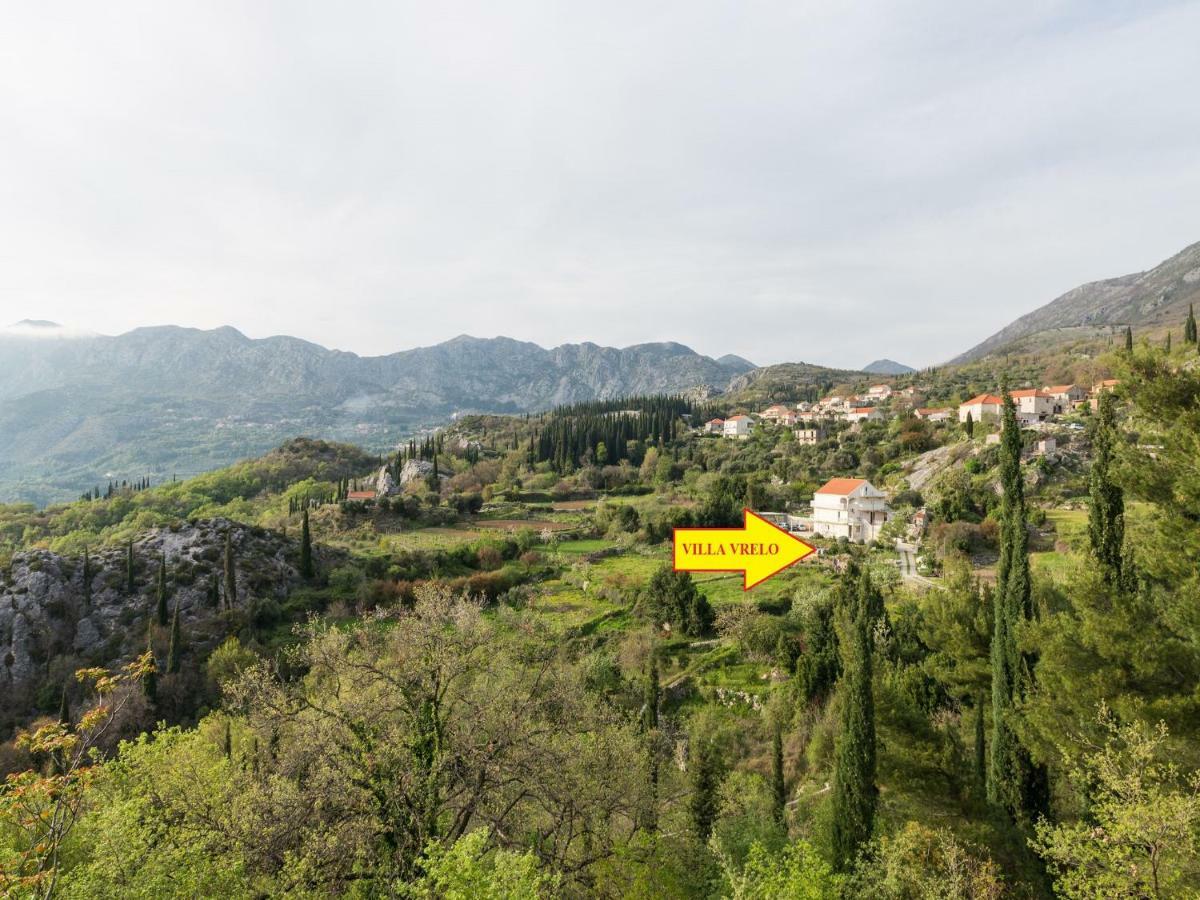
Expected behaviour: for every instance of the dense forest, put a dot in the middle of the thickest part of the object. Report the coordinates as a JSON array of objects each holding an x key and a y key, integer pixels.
[{"x": 491, "y": 683}]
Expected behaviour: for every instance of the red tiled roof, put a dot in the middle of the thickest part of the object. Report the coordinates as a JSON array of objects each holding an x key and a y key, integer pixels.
[
  {"x": 716, "y": 421},
  {"x": 360, "y": 495},
  {"x": 841, "y": 485},
  {"x": 927, "y": 410},
  {"x": 983, "y": 398},
  {"x": 1031, "y": 392},
  {"x": 736, "y": 418},
  {"x": 1058, "y": 388}
]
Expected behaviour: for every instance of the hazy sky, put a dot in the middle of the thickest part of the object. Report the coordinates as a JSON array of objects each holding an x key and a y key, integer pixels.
[{"x": 787, "y": 181}]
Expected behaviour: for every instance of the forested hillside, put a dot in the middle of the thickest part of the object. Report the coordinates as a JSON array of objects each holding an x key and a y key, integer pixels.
[{"x": 467, "y": 668}]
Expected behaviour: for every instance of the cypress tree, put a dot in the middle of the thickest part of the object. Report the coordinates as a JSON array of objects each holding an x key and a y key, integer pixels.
[
  {"x": 969, "y": 425},
  {"x": 1189, "y": 327},
  {"x": 227, "y": 743},
  {"x": 306, "y": 559},
  {"x": 161, "y": 614},
  {"x": 175, "y": 647},
  {"x": 230, "y": 573},
  {"x": 706, "y": 773},
  {"x": 1014, "y": 783},
  {"x": 854, "y": 793},
  {"x": 214, "y": 590},
  {"x": 129, "y": 585},
  {"x": 778, "y": 783},
  {"x": 1106, "y": 514},
  {"x": 651, "y": 695},
  {"x": 1167, "y": 344},
  {"x": 1128, "y": 338},
  {"x": 64, "y": 708}
]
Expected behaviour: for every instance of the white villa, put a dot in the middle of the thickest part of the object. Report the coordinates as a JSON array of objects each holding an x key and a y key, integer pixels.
[
  {"x": 852, "y": 508},
  {"x": 1033, "y": 405},
  {"x": 979, "y": 407},
  {"x": 863, "y": 414},
  {"x": 714, "y": 426},
  {"x": 879, "y": 391},
  {"x": 738, "y": 427}
]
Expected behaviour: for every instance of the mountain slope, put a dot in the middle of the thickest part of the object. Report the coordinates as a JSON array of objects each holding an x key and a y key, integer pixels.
[
  {"x": 1154, "y": 299},
  {"x": 78, "y": 409}
]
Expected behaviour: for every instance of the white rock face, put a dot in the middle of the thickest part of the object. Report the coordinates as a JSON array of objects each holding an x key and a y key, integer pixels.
[
  {"x": 415, "y": 469},
  {"x": 384, "y": 483}
]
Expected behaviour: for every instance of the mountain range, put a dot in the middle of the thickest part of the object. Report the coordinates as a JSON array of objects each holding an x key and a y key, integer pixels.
[{"x": 79, "y": 409}]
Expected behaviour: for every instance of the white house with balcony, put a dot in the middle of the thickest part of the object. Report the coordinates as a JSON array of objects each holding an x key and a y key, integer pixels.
[{"x": 852, "y": 508}]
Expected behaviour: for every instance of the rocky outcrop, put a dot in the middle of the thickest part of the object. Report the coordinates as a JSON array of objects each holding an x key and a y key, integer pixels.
[
  {"x": 48, "y": 628},
  {"x": 415, "y": 470},
  {"x": 384, "y": 483}
]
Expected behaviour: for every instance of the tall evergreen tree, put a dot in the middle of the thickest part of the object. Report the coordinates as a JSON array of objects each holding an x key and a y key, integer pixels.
[
  {"x": 969, "y": 425},
  {"x": 175, "y": 646},
  {"x": 651, "y": 695},
  {"x": 230, "y": 573},
  {"x": 1128, "y": 338},
  {"x": 778, "y": 782},
  {"x": 161, "y": 608},
  {"x": 1106, "y": 514},
  {"x": 1014, "y": 783},
  {"x": 854, "y": 790},
  {"x": 705, "y": 773},
  {"x": 306, "y": 557},
  {"x": 227, "y": 741},
  {"x": 1189, "y": 327}
]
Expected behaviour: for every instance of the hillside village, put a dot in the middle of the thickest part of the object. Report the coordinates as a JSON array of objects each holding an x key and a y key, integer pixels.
[
  {"x": 549, "y": 535},
  {"x": 855, "y": 510}
]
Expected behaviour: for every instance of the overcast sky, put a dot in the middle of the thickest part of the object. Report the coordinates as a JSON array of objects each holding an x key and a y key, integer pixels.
[{"x": 787, "y": 181}]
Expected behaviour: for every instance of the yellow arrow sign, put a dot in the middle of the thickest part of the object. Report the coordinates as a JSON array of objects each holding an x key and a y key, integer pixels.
[{"x": 759, "y": 549}]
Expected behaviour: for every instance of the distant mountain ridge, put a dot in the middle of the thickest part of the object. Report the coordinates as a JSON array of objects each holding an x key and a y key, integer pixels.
[
  {"x": 1154, "y": 299},
  {"x": 167, "y": 399},
  {"x": 887, "y": 367}
]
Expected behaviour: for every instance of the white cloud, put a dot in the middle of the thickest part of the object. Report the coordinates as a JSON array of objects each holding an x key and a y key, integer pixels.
[{"x": 829, "y": 182}]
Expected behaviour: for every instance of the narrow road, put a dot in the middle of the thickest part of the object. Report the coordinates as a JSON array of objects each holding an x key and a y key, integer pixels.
[{"x": 908, "y": 563}]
